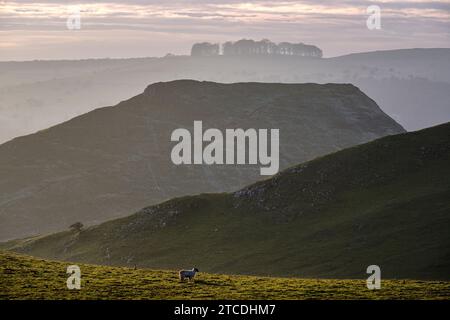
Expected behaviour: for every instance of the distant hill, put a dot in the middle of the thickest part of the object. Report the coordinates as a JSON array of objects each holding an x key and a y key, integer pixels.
[
  {"x": 410, "y": 85},
  {"x": 24, "y": 278},
  {"x": 113, "y": 161},
  {"x": 385, "y": 203}
]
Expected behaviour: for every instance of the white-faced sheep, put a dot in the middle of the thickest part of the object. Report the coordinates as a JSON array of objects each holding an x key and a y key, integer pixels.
[{"x": 189, "y": 274}]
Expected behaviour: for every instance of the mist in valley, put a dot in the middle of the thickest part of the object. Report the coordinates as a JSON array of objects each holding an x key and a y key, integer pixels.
[{"x": 412, "y": 86}]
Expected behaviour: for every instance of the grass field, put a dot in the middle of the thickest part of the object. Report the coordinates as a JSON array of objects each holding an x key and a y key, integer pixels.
[{"x": 23, "y": 277}]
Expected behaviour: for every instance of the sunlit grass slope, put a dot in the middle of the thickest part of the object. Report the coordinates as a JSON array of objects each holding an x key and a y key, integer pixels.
[{"x": 23, "y": 277}]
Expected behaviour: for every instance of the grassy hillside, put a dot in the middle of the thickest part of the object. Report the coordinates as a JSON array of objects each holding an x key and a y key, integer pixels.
[
  {"x": 385, "y": 202},
  {"x": 23, "y": 277}
]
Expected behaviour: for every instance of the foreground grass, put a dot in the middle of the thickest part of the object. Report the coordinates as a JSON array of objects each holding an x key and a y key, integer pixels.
[{"x": 23, "y": 277}]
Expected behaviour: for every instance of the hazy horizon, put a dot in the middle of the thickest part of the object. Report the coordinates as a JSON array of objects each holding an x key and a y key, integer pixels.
[
  {"x": 188, "y": 54},
  {"x": 127, "y": 29}
]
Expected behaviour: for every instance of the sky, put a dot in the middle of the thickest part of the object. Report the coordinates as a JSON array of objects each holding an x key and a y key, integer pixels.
[{"x": 32, "y": 30}]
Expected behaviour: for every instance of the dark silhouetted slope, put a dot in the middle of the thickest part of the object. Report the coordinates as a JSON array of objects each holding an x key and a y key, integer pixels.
[{"x": 114, "y": 160}]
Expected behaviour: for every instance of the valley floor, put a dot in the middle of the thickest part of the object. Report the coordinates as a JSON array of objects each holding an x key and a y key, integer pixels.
[{"x": 23, "y": 277}]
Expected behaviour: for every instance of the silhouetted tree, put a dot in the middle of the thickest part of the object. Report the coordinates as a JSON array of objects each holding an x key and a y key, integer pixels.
[
  {"x": 266, "y": 47},
  {"x": 228, "y": 49},
  {"x": 205, "y": 49},
  {"x": 285, "y": 48},
  {"x": 77, "y": 226}
]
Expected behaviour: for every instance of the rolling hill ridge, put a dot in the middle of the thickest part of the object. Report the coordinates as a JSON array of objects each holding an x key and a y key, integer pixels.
[
  {"x": 116, "y": 160},
  {"x": 384, "y": 202}
]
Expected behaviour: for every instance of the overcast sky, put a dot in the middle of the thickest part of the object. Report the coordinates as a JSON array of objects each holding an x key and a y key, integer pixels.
[{"x": 138, "y": 28}]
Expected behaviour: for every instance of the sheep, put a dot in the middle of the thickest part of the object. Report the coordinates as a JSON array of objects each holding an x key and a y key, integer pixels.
[{"x": 190, "y": 274}]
